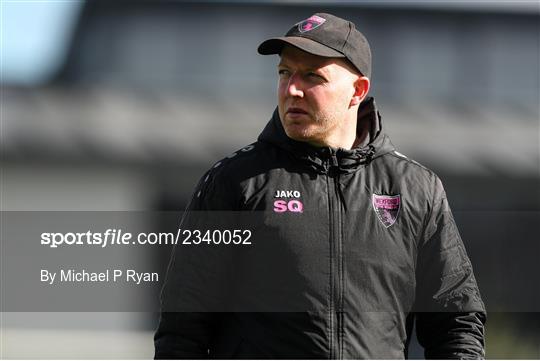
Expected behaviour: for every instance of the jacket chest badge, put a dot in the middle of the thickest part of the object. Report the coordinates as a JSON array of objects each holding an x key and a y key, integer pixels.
[
  {"x": 284, "y": 203},
  {"x": 386, "y": 208}
]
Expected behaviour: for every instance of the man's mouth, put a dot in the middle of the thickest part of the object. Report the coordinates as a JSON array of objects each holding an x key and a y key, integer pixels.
[{"x": 296, "y": 111}]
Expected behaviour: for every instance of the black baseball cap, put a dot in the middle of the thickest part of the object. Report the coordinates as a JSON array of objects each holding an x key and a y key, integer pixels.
[{"x": 325, "y": 35}]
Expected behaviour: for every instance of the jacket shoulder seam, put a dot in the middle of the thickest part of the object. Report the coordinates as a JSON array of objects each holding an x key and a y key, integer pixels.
[
  {"x": 219, "y": 168},
  {"x": 411, "y": 161}
]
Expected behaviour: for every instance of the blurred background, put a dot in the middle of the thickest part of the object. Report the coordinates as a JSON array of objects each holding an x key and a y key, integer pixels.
[{"x": 121, "y": 106}]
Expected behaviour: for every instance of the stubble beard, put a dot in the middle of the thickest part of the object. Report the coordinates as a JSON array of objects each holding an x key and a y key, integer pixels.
[{"x": 322, "y": 126}]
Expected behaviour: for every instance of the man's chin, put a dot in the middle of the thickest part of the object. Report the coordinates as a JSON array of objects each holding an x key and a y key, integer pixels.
[{"x": 301, "y": 135}]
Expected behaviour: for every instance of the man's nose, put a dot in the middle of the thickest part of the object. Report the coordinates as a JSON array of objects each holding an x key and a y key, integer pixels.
[{"x": 294, "y": 88}]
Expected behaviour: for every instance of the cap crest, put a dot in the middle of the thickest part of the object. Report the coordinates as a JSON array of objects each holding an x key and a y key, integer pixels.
[{"x": 310, "y": 23}]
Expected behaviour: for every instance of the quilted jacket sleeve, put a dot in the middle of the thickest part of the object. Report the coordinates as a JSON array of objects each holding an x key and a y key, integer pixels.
[
  {"x": 450, "y": 314},
  {"x": 193, "y": 286}
]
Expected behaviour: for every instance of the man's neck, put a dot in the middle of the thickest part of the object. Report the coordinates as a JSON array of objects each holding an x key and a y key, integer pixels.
[{"x": 350, "y": 135}]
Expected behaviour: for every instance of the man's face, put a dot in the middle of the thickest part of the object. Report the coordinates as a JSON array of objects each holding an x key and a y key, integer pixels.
[{"x": 314, "y": 95}]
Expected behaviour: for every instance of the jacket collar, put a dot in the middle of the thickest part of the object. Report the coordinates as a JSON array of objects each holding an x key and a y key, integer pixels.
[{"x": 322, "y": 159}]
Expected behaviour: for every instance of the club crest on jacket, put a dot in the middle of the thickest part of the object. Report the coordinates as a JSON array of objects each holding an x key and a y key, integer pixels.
[{"x": 386, "y": 208}]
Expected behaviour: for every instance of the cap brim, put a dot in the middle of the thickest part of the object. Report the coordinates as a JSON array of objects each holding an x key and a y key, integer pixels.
[{"x": 275, "y": 45}]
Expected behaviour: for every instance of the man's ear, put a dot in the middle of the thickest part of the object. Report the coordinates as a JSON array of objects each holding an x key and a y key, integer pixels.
[{"x": 361, "y": 88}]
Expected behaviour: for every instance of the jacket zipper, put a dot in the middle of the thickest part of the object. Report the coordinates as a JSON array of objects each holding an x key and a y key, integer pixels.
[{"x": 336, "y": 261}]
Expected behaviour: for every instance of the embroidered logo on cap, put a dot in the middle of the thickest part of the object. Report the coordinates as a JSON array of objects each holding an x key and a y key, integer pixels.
[
  {"x": 386, "y": 208},
  {"x": 310, "y": 23}
]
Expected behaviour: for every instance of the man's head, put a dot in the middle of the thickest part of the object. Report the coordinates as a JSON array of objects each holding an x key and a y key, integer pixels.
[{"x": 321, "y": 79}]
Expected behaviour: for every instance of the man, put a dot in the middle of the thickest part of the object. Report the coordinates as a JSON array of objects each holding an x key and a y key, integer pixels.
[{"x": 356, "y": 241}]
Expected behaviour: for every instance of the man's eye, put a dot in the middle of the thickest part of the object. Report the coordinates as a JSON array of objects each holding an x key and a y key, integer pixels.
[
  {"x": 315, "y": 76},
  {"x": 283, "y": 72}
]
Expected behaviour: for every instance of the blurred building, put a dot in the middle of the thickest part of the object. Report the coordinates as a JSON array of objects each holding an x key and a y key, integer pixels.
[{"x": 145, "y": 96}]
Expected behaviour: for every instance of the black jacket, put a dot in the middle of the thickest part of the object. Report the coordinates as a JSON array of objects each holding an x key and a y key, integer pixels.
[{"x": 359, "y": 244}]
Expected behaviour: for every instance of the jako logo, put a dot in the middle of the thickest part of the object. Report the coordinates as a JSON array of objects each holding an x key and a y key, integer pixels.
[{"x": 293, "y": 205}]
